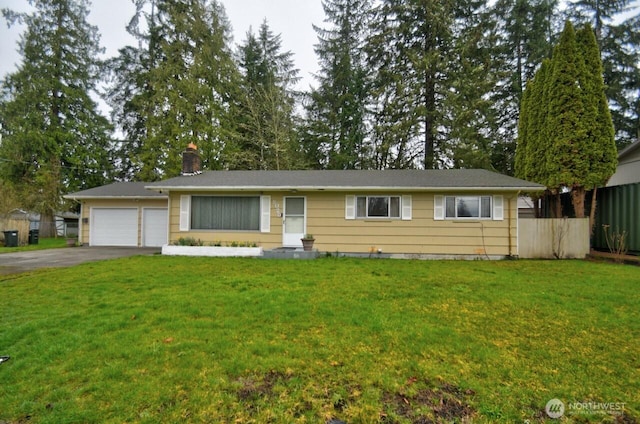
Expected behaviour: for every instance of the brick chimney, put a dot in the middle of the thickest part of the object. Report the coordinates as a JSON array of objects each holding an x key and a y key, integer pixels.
[{"x": 191, "y": 160}]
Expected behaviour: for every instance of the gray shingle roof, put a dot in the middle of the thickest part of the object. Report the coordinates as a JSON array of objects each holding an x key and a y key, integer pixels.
[
  {"x": 135, "y": 190},
  {"x": 470, "y": 179}
]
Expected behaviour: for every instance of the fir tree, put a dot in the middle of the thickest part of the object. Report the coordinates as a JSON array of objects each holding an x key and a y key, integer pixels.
[
  {"x": 409, "y": 51},
  {"x": 130, "y": 93},
  {"x": 470, "y": 121},
  {"x": 192, "y": 87},
  {"x": 179, "y": 87},
  {"x": 266, "y": 137},
  {"x": 54, "y": 140},
  {"x": 335, "y": 134},
  {"x": 523, "y": 143}
]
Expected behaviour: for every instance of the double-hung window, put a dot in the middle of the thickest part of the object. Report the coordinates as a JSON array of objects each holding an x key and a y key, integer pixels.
[
  {"x": 230, "y": 213},
  {"x": 378, "y": 207},
  {"x": 470, "y": 207}
]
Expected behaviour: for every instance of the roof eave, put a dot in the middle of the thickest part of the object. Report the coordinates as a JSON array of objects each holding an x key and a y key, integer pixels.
[
  {"x": 94, "y": 197},
  {"x": 629, "y": 149},
  {"x": 340, "y": 188}
]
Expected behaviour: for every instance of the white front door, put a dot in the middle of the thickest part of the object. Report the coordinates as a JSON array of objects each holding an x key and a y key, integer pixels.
[{"x": 294, "y": 221}]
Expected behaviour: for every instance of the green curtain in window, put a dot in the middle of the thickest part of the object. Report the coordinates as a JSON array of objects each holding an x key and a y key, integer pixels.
[{"x": 225, "y": 213}]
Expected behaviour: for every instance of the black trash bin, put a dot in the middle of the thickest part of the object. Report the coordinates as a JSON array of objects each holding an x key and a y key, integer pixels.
[
  {"x": 11, "y": 238},
  {"x": 34, "y": 236}
]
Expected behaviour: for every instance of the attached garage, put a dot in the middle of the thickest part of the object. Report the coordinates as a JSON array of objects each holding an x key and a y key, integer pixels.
[
  {"x": 122, "y": 214},
  {"x": 114, "y": 227},
  {"x": 154, "y": 227}
]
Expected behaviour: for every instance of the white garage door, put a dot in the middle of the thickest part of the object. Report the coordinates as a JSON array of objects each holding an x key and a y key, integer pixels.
[
  {"x": 114, "y": 227},
  {"x": 154, "y": 227}
]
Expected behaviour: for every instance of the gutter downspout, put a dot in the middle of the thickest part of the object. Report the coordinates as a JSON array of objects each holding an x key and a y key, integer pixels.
[{"x": 510, "y": 231}]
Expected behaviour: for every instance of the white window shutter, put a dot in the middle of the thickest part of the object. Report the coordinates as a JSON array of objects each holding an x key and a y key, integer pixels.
[
  {"x": 498, "y": 208},
  {"x": 438, "y": 208},
  {"x": 185, "y": 212},
  {"x": 350, "y": 207},
  {"x": 406, "y": 208},
  {"x": 265, "y": 214}
]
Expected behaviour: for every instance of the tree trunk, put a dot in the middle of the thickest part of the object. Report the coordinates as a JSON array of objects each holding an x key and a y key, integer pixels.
[
  {"x": 592, "y": 212},
  {"x": 429, "y": 124},
  {"x": 47, "y": 225},
  {"x": 555, "y": 205},
  {"x": 577, "y": 198},
  {"x": 552, "y": 198}
]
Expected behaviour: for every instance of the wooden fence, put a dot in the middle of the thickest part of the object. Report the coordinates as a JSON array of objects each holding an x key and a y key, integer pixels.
[
  {"x": 11, "y": 224},
  {"x": 548, "y": 238}
]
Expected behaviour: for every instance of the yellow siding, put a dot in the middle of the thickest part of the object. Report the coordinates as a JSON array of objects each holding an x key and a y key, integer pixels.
[
  {"x": 266, "y": 240},
  {"x": 87, "y": 205},
  {"x": 333, "y": 233}
]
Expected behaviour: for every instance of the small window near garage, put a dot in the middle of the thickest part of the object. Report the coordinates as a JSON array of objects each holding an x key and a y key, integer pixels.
[
  {"x": 468, "y": 207},
  {"x": 378, "y": 207}
]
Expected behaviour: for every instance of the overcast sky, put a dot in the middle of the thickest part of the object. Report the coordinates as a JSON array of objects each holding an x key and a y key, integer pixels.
[{"x": 292, "y": 19}]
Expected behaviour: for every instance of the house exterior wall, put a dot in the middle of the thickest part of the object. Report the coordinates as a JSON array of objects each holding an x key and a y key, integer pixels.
[
  {"x": 628, "y": 171},
  {"x": 86, "y": 206},
  {"x": 421, "y": 235}
]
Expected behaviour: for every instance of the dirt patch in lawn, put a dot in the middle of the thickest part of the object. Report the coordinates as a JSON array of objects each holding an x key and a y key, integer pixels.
[
  {"x": 426, "y": 403},
  {"x": 252, "y": 388},
  {"x": 419, "y": 401}
]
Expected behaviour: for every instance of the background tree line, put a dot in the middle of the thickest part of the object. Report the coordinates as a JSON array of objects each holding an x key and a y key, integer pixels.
[{"x": 402, "y": 84}]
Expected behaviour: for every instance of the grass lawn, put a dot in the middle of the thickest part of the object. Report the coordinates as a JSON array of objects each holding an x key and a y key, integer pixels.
[
  {"x": 165, "y": 339},
  {"x": 43, "y": 243}
]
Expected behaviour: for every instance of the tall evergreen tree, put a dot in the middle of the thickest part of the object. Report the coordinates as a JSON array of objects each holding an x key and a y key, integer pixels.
[
  {"x": 129, "y": 92},
  {"x": 470, "y": 121},
  {"x": 566, "y": 132},
  {"x": 602, "y": 151},
  {"x": 525, "y": 29},
  {"x": 335, "y": 134},
  {"x": 537, "y": 127},
  {"x": 533, "y": 139},
  {"x": 126, "y": 95},
  {"x": 178, "y": 87},
  {"x": 54, "y": 139},
  {"x": 528, "y": 29},
  {"x": 524, "y": 142},
  {"x": 192, "y": 87},
  {"x": 266, "y": 136},
  {"x": 566, "y": 124},
  {"x": 616, "y": 24},
  {"x": 409, "y": 51}
]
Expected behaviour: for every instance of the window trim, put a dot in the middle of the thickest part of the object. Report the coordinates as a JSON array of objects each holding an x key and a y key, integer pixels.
[
  {"x": 405, "y": 208},
  {"x": 469, "y": 218},
  {"x": 376, "y": 218},
  {"x": 185, "y": 224}
]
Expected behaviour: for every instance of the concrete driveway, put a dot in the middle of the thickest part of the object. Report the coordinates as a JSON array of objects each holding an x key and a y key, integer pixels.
[{"x": 13, "y": 263}]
